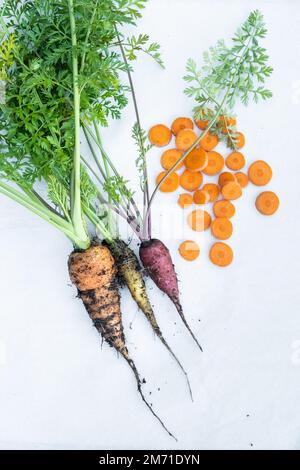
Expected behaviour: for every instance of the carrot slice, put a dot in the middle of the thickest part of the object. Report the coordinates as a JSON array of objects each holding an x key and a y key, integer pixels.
[
  {"x": 242, "y": 179},
  {"x": 170, "y": 157},
  {"x": 215, "y": 163},
  {"x": 160, "y": 135},
  {"x": 185, "y": 139},
  {"x": 196, "y": 160},
  {"x": 267, "y": 203},
  {"x": 240, "y": 140},
  {"x": 189, "y": 250},
  {"x": 231, "y": 191},
  {"x": 226, "y": 177},
  {"x": 201, "y": 197},
  {"x": 221, "y": 228},
  {"x": 260, "y": 173},
  {"x": 227, "y": 121},
  {"x": 191, "y": 180},
  {"x": 209, "y": 141},
  {"x": 224, "y": 209},
  {"x": 181, "y": 123},
  {"x": 199, "y": 220},
  {"x": 221, "y": 254},
  {"x": 203, "y": 123},
  {"x": 170, "y": 184},
  {"x": 185, "y": 200},
  {"x": 235, "y": 161},
  {"x": 213, "y": 190}
]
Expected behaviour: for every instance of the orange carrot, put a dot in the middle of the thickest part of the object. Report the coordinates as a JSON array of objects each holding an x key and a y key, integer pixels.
[
  {"x": 191, "y": 180},
  {"x": 201, "y": 197},
  {"x": 181, "y": 123},
  {"x": 160, "y": 135},
  {"x": 203, "y": 123},
  {"x": 240, "y": 140},
  {"x": 231, "y": 191},
  {"x": 227, "y": 121},
  {"x": 224, "y": 209},
  {"x": 213, "y": 190},
  {"x": 170, "y": 184},
  {"x": 221, "y": 228},
  {"x": 209, "y": 141},
  {"x": 242, "y": 179},
  {"x": 199, "y": 220},
  {"x": 226, "y": 177},
  {"x": 185, "y": 200},
  {"x": 196, "y": 160},
  {"x": 235, "y": 161},
  {"x": 267, "y": 203},
  {"x": 260, "y": 173},
  {"x": 185, "y": 139},
  {"x": 170, "y": 157},
  {"x": 221, "y": 254},
  {"x": 215, "y": 163},
  {"x": 189, "y": 250}
]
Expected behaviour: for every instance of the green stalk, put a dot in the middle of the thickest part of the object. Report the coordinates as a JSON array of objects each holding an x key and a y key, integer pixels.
[{"x": 76, "y": 209}]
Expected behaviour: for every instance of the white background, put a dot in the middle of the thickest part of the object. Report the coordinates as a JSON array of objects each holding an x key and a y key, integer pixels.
[{"x": 59, "y": 389}]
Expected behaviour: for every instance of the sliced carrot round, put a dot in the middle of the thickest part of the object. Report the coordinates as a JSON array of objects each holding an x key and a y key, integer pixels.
[
  {"x": 226, "y": 122},
  {"x": 221, "y": 228},
  {"x": 215, "y": 163},
  {"x": 196, "y": 160},
  {"x": 226, "y": 177},
  {"x": 199, "y": 220},
  {"x": 160, "y": 135},
  {"x": 189, "y": 250},
  {"x": 260, "y": 173},
  {"x": 191, "y": 180},
  {"x": 170, "y": 157},
  {"x": 213, "y": 190},
  {"x": 181, "y": 123},
  {"x": 224, "y": 208},
  {"x": 242, "y": 179},
  {"x": 267, "y": 203},
  {"x": 235, "y": 161},
  {"x": 221, "y": 254},
  {"x": 185, "y": 139},
  {"x": 170, "y": 184},
  {"x": 203, "y": 123},
  {"x": 185, "y": 200},
  {"x": 231, "y": 191},
  {"x": 201, "y": 197},
  {"x": 209, "y": 141},
  {"x": 240, "y": 140}
]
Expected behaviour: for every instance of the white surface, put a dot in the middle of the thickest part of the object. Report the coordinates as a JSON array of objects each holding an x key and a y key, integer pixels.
[{"x": 60, "y": 390}]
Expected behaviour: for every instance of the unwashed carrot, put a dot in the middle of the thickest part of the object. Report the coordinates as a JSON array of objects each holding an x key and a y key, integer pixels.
[
  {"x": 221, "y": 254},
  {"x": 170, "y": 184},
  {"x": 215, "y": 163},
  {"x": 189, "y": 250},
  {"x": 199, "y": 220},
  {"x": 231, "y": 191},
  {"x": 267, "y": 203},
  {"x": 185, "y": 200},
  {"x": 260, "y": 173},
  {"x": 160, "y": 135},
  {"x": 226, "y": 177},
  {"x": 209, "y": 141},
  {"x": 191, "y": 180},
  {"x": 235, "y": 161},
  {"x": 196, "y": 160},
  {"x": 224, "y": 209},
  {"x": 242, "y": 179},
  {"x": 213, "y": 190},
  {"x": 201, "y": 197},
  {"x": 185, "y": 139},
  {"x": 170, "y": 157},
  {"x": 221, "y": 228},
  {"x": 181, "y": 123}
]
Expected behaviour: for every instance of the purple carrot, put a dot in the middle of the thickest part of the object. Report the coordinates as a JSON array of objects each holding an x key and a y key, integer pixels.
[{"x": 157, "y": 261}]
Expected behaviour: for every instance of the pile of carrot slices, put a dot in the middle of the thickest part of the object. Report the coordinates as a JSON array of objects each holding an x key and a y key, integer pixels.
[{"x": 192, "y": 175}]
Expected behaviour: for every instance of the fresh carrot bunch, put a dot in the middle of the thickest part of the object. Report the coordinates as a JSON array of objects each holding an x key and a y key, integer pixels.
[{"x": 193, "y": 173}]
